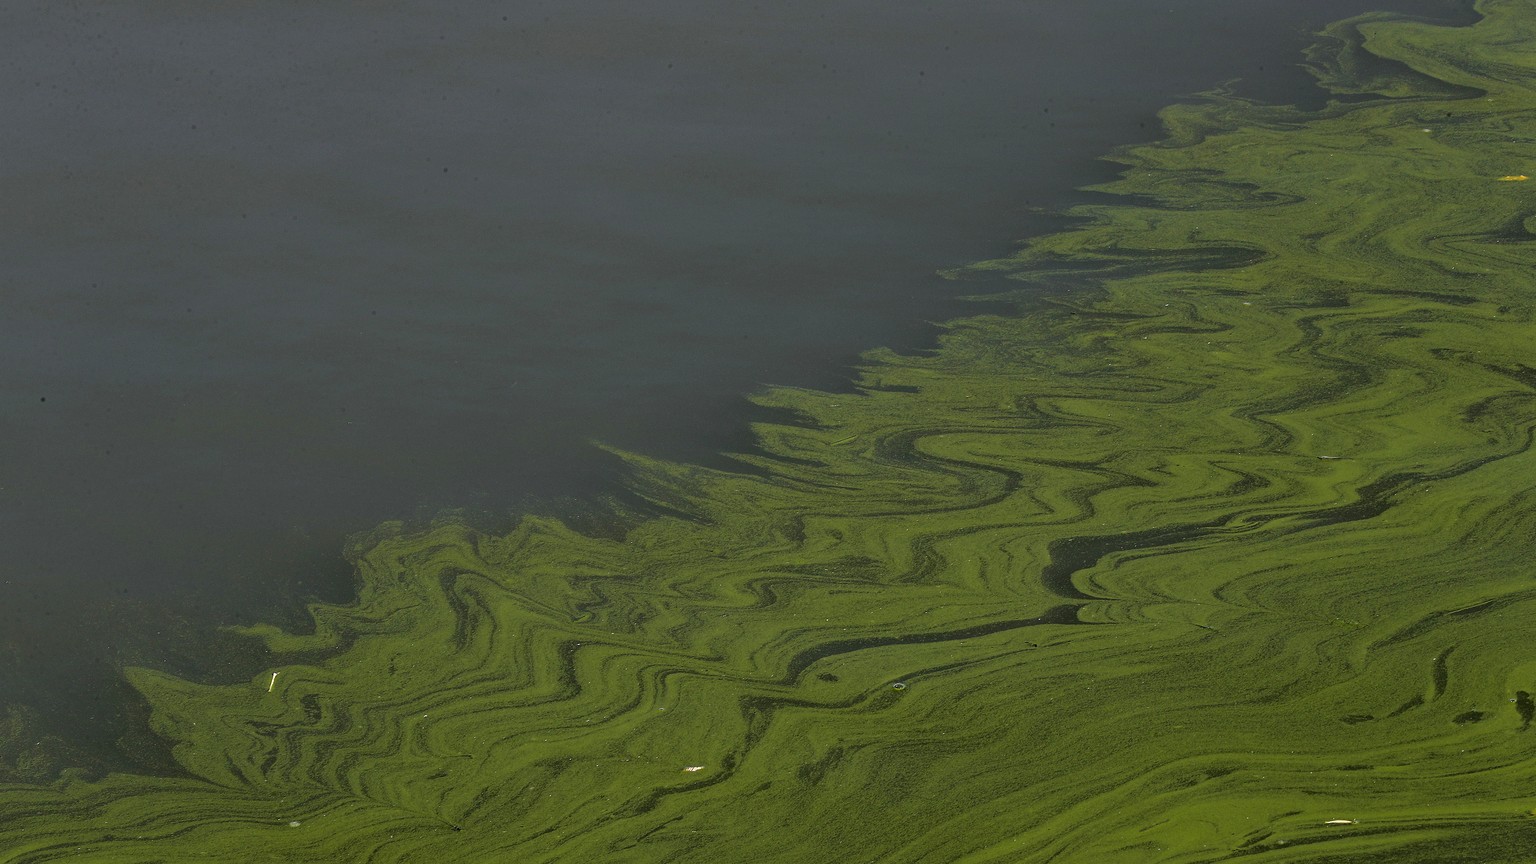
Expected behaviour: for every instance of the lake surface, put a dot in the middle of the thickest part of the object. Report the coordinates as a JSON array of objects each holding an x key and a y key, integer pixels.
[{"x": 276, "y": 274}]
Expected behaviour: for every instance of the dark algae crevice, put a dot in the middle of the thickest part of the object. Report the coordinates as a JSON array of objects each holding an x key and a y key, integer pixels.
[{"x": 1224, "y": 555}]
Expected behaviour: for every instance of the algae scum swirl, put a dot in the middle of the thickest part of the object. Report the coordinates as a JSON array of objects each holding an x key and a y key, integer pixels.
[{"x": 1229, "y": 557}]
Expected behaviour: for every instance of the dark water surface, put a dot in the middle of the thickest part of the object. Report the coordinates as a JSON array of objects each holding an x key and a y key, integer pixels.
[{"x": 276, "y": 273}]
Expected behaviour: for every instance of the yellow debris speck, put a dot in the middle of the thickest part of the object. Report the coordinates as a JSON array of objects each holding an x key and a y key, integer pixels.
[{"x": 1513, "y": 178}]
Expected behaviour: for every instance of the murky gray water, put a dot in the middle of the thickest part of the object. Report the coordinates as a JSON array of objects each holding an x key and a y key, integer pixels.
[{"x": 275, "y": 273}]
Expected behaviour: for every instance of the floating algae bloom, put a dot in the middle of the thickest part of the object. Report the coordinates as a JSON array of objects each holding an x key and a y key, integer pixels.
[{"x": 1229, "y": 558}]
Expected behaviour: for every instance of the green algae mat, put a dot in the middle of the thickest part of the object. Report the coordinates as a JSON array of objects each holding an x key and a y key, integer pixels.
[{"x": 1227, "y": 554}]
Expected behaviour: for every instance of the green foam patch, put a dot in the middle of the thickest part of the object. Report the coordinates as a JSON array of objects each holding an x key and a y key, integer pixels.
[{"x": 1227, "y": 556}]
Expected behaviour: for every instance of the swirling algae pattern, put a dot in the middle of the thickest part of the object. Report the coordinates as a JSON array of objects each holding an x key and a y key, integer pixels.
[{"x": 1226, "y": 554}]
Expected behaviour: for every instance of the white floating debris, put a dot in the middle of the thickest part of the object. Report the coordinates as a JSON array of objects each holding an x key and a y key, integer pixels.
[
  {"x": 692, "y": 768},
  {"x": 1342, "y": 822},
  {"x": 295, "y": 823}
]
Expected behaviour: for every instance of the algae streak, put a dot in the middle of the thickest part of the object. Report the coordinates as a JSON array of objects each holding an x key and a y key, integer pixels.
[{"x": 1230, "y": 559}]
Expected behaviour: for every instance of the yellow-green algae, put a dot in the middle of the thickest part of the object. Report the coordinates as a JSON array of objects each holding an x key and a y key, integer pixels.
[{"x": 1230, "y": 558}]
